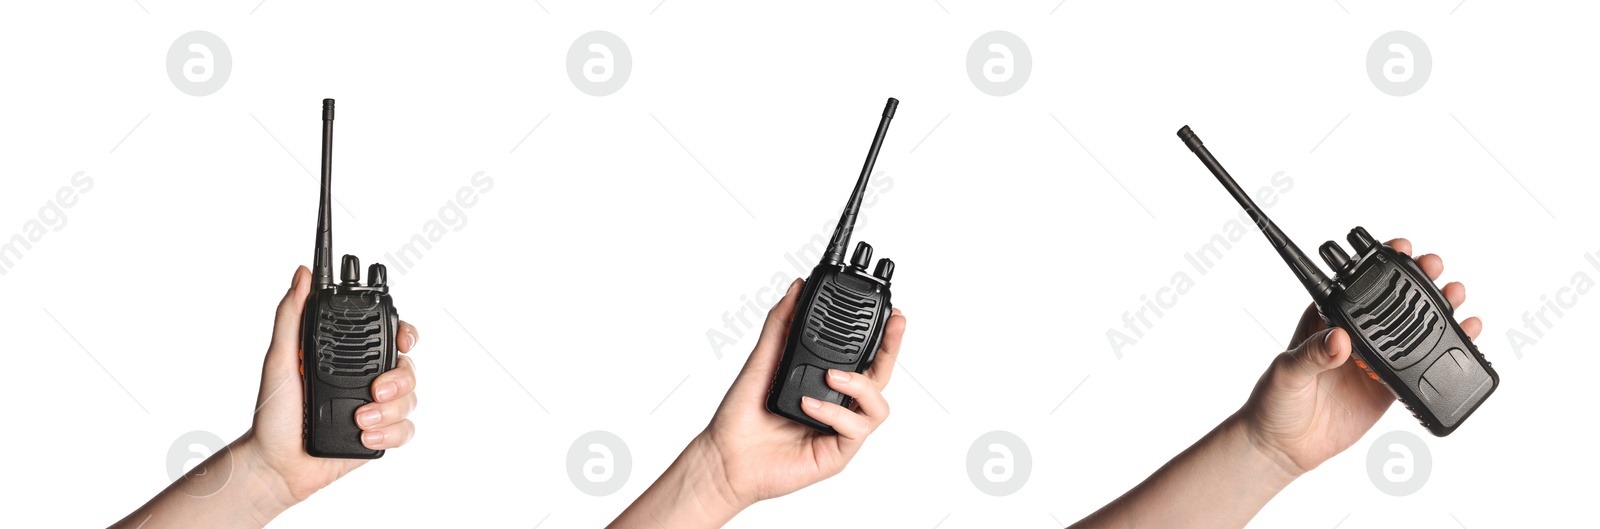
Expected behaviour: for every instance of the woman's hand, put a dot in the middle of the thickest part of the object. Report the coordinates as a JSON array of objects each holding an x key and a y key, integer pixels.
[
  {"x": 266, "y": 470},
  {"x": 275, "y": 435},
  {"x": 765, "y": 456},
  {"x": 1312, "y": 404},
  {"x": 747, "y": 454},
  {"x": 1306, "y": 408}
]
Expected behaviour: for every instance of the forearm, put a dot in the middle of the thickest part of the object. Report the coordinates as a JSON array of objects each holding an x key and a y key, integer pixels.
[
  {"x": 692, "y": 493},
  {"x": 231, "y": 489},
  {"x": 1222, "y": 480}
]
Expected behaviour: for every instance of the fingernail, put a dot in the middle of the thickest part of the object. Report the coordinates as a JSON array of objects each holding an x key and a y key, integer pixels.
[
  {"x": 384, "y": 391},
  {"x": 837, "y": 376},
  {"x": 372, "y": 438},
  {"x": 369, "y": 418},
  {"x": 295, "y": 281},
  {"x": 811, "y": 403},
  {"x": 1327, "y": 345}
]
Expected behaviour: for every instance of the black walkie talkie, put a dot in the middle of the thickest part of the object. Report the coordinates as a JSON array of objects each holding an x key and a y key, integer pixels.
[
  {"x": 1404, "y": 331},
  {"x": 347, "y": 336},
  {"x": 839, "y": 320}
]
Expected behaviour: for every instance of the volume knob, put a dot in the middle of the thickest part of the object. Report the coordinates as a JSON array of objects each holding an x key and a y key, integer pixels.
[
  {"x": 1361, "y": 240},
  {"x": 1334, "y": 256},
  {"x": 885, "y": 270},
  {"x": 351, "y": 272},
  {"x": 863, "y": 256},
  {"x": 377, "y": 275}
]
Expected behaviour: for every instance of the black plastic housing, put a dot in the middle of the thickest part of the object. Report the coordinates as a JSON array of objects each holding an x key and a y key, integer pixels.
[
  {"x": 840, "y": 316},
  {"x": 838, "y": 324},
  {"x": 1403, "y": 331},
  {"x": 347, "y": 334},
  {"x": 1405, "y": 334},
  {"x": 347, "y": 339}
]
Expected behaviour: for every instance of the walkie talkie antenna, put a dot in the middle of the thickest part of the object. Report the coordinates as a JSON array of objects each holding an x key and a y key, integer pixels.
[
  {"x": 852, "y": 209},
  {"x": 1315, "y": 282},
  {"x": 322, "y": 261}
]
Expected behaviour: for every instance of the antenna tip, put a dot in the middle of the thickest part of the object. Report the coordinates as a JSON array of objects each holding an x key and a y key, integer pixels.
[
  {"x": 1189, "y": 138},
  {"x": 327, "y": 110},
  {"x": 888, "y": 109}
]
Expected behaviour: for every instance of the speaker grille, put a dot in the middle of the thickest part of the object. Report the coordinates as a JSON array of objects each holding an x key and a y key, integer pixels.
[
  {"x": 839, "y": 321},
  {"x": 1400, "y": 320},
  {"x": 349, "y": 343}
]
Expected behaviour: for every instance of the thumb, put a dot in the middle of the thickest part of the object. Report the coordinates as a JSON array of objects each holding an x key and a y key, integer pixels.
[
  {"x": 1327, "y": 349},
  {"x": 763, "y": 362},
  {"x": 283, "y": 354}
]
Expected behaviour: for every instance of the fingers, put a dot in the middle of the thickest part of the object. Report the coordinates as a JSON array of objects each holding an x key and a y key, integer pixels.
[
  {"x": 763, "y": 360},
  {"x": 1472, "y": 326},
  {"x": 864, "y": 390},
  {"x": 384, "y": 422},
  {"x": 1400, "y": 245},
  {"x": 374, "y": 415},
  {"x": 1455, "y": 293},
  {"x": 286, "y": 327},
  {"x": 395, "y": 383},
  {"x": 1322, "y": 351},
  {"x": 852, "y": 427},
  {"x": 406, "y": 338},
  {"x": 392, "y": 436},
  {"x": 777, "y": 325},
  {"x": 889, "y": 351},
  {"x": 1432, "y": 265}
]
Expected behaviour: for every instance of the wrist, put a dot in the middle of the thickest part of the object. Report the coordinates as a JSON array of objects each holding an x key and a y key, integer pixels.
[
  {"x": 707, "y": 472},
  {"x": 693, "y": 492},
  {"x": 268, "y": 490},
  {"x": 1262, "y": 453}
]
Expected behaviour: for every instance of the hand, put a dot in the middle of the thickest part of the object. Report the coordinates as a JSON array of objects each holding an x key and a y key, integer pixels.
[
  {"x": 275, "y": 437},
  {"x": 1310, "y": 405},
  {"x": 747, "y": 454},
  {"x": 1306, "y": 408},
  {"x": 765, "y": 456},
  {"x": 266, "y": 470}
]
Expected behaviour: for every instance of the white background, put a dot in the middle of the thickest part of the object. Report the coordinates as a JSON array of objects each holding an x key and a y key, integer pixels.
[{"x": 603, "y": 254}]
